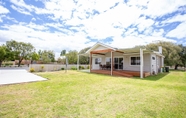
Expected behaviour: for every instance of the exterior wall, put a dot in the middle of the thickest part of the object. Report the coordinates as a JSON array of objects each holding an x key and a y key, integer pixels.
[{"x": 146, "y": 61}]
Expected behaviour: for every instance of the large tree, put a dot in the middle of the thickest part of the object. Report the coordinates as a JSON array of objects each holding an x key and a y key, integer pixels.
[
  {"x": 183, "y": 55},
  {"x": 2, "y": 54},
  {"x": 47, "y": 56},
  {"x": 72, "y": 56},
  {"x": 84, "y": 59},
  {"x": 34, "y": 57},
  {"x": 170, "y": 51},
  {"x": 20, "y": 50},
  {"x": 63, "y": 52}
]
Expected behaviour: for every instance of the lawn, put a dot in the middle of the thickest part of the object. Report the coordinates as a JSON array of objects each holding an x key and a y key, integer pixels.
[{"x": 83, "y": 95}]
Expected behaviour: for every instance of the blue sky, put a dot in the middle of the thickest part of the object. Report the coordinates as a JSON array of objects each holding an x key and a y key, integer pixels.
[{"x": 76, "y": 24}]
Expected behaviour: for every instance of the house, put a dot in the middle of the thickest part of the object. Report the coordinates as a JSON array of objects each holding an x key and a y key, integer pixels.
[{"x": 129, "y": 62}]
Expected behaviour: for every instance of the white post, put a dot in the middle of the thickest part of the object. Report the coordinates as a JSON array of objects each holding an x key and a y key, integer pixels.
[
  {"x": 78, "y": 63},
  {"x": 141, "y": 63},
  {"x": 111, "y": 65}
]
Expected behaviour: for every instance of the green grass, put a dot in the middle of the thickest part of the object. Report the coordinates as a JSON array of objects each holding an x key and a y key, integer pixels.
[{"x": 77, "y": 94}]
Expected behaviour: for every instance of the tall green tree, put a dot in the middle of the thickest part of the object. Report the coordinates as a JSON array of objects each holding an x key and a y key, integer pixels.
[
  {"x": 183, "y": 55},
  {"x": 2, "y": 54},
  {"x": 47, "y": 56},
  {"x": 20, "y": 50},
  {"x": 34, "y": 57},
  {"x": 72, "y": 56},
  {"x": 83, "y": 59},
  {"x": 170, "y": 51},
  {"x": 63, "y": 52}
]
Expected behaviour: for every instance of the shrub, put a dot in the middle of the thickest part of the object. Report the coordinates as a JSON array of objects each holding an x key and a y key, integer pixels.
[
  {"x": 62, "y": 68},
  {"x": 8, "y": 64},
  {"x": 88, "y": 67},
  {"x": 32, "y": 70},
  {"x": 73, "y": 68},
  {"x": 42, "y": 67},
  {"x": 82, "y": 67},
  {"x": 79, "y": 67}
]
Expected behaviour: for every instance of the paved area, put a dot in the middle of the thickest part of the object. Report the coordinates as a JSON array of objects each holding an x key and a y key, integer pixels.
[{"x": 14, "y": 76}]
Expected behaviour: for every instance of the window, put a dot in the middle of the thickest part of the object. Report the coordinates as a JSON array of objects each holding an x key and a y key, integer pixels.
[
  {"x": 97, "y": 60},
  {"x": 108, "y": 60},
  {"x": 135, "y": 60}
]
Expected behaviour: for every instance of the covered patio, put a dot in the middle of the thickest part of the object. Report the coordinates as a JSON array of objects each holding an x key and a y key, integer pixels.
[{"x": 109, "y": 64}]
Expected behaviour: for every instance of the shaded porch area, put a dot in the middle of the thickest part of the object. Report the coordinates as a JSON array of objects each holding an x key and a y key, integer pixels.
[{"x": 124, "y": 73}]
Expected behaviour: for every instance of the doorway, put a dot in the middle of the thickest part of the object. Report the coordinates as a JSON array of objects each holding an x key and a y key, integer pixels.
[{"x": 118, "y": 63}]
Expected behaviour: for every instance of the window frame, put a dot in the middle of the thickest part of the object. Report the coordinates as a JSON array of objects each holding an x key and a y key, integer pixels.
[{"x": 137, "y": 58}]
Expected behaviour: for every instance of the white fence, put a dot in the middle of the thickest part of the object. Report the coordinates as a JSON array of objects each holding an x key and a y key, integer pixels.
[{"x": 53, "y": 67}]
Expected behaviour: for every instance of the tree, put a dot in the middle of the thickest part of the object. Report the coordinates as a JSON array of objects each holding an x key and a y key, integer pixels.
[
  {"x": 34, "y": 57},
  {"x": 72, "y": 56},
  {"x": 183, "y": 55},
  {"x": 47, "y": 56},
  {"x": 2, "y": 54},
  {"x": 63, "y": 52},
  {"x": 20, "y": 50},
  {"x": 84, "y": 59},
  {"x": 170, "y": 51},
  {"x": 61, "y": 60}
]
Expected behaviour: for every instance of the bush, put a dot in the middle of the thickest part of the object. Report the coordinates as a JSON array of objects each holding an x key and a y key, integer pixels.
[
  {"x": 82, "y": 67},
  {"x": 79, "y": 67},
  {"x": 73, "y": 68},
  {"x": 88, "y": 67},
  {"x": 32, "y": 70},
  {"x": 62, "y": 68},
  {"x": 8, "y": 64}
]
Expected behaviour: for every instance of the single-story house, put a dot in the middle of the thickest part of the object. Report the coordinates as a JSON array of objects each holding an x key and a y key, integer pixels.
[{"x": 129, "y": 62}]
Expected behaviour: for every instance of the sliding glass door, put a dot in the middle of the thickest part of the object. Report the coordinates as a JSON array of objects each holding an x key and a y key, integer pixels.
[{"x": 118, "y": 63}]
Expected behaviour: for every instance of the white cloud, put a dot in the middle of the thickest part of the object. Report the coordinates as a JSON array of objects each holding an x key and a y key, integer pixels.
[
  {"x": 131, "y": 41},
  {"x": 143, "y": 23},
  {"x": 177, "y": 18},
  {"x": 3, "y": 10},
  {"x": 178, "y": 32},
  {"x": 20, "y": 10}
]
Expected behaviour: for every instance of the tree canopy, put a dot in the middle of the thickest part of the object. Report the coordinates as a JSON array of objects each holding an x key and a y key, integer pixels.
[
  {"x": 170, "y": 51},
  {"x": 46, "y": 56},
  {"x": 20, "y": 50},
  {"x": 83, "y": 59},
  {"x": 72, "y": 56}
]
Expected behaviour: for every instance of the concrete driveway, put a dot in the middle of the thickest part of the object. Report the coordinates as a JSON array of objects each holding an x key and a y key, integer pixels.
[{"x": 14, "y": 76}]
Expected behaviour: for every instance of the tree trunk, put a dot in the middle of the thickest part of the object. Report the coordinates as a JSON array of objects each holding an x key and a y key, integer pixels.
[
  {"x": 176, "y": 66},
  {"x": 0, "y": 63},
  {"x": 20, "y": 62}
]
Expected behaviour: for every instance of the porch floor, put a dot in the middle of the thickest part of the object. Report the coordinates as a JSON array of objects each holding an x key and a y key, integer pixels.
[{"x": 124, "y": 73}]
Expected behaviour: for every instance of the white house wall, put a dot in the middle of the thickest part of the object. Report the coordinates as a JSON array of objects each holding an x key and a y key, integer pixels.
[{"x": 128, "y": 66}]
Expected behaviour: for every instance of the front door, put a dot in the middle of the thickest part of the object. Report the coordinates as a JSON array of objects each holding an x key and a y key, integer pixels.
[{"x": 118, "y": 63}]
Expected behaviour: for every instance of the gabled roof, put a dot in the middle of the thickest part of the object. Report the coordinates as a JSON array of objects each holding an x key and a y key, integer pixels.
[{"x": 99, "y": 44}]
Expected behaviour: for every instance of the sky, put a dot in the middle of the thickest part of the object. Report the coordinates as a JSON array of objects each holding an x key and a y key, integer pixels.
[{"x": 76, "y": 24}]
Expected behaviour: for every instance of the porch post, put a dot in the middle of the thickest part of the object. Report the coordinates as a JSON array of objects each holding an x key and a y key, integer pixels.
[
  {"x": 111, "y": 73},
  {"x": 141, "y": 63},
  {"x": 90, "y": 61},
  {"x": 78, "y": 63}
]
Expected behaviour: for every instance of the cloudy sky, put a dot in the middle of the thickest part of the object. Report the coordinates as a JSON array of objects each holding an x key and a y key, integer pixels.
[{"x": 76, "y": 24}]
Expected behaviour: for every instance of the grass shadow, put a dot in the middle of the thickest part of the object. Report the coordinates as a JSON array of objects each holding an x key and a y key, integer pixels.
[{"x": 153, "y": 77}]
